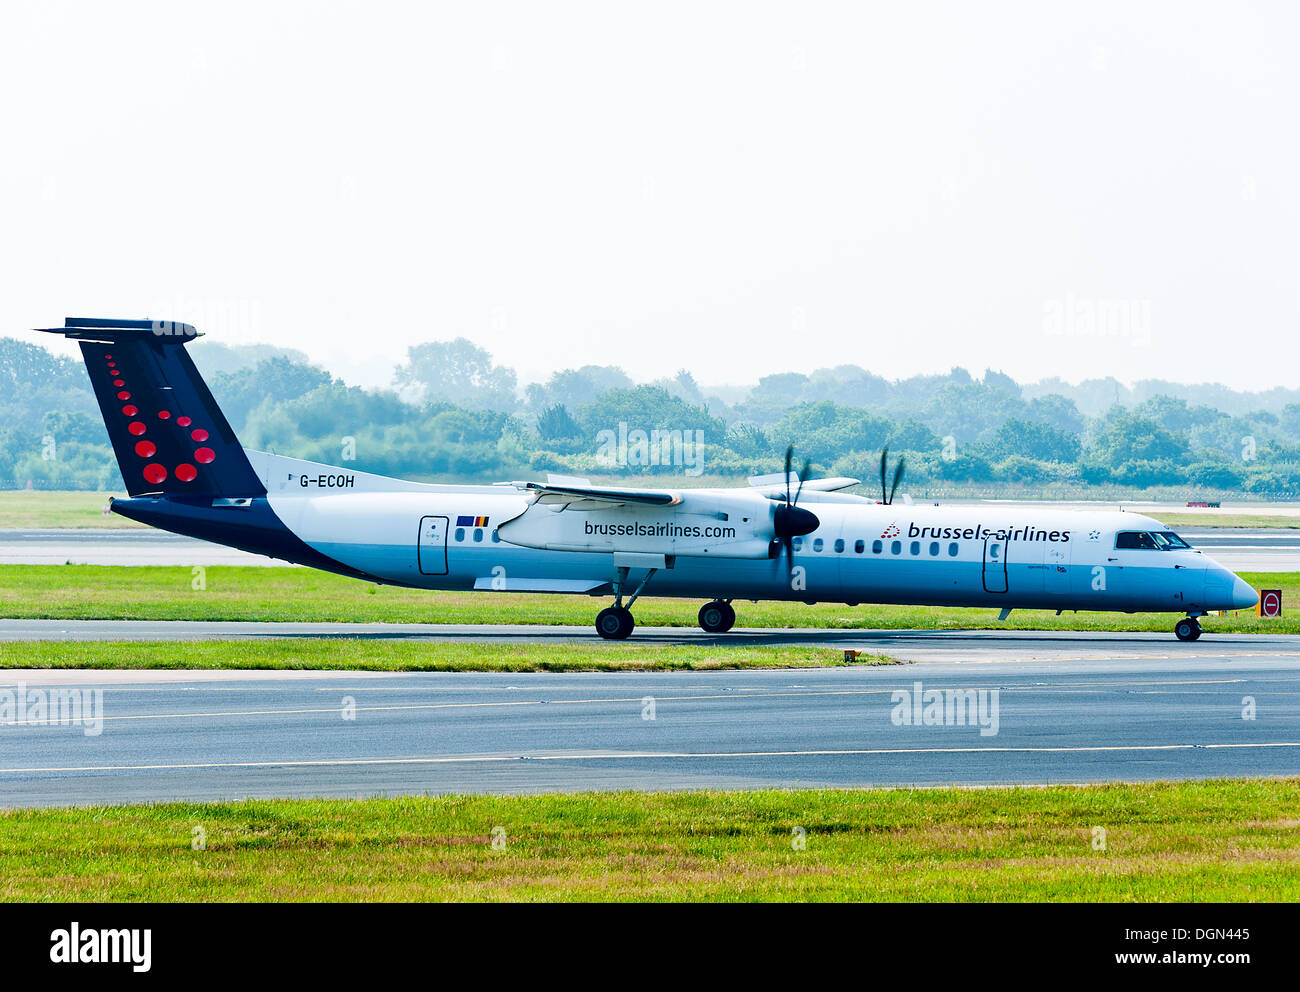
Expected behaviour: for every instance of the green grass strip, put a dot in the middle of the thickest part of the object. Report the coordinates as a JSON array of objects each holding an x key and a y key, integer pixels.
[
  {"x": 341, "y": 654},
  {"x": 1215, "y": 840}
]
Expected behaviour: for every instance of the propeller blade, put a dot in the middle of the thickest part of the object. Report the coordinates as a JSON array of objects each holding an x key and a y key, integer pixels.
[
  {"x": 898, "y": 477},
  {"x": 788, "y": 519},
  {"x": 803, "y": 474},
  {"x": 884, "y": 454}
]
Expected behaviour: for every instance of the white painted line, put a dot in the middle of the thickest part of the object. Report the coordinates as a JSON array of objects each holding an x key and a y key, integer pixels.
[
  {"x": 720, "y": 695},
  {"x": 642, "y": 755}
]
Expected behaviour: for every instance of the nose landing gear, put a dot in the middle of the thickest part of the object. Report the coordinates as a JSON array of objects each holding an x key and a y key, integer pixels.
[
  {"x": 1187, "y": 629},
  {"x": 717, "y": 617}
]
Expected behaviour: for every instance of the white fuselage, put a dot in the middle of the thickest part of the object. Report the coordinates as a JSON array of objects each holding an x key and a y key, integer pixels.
[{"x": 457, "y": 537}]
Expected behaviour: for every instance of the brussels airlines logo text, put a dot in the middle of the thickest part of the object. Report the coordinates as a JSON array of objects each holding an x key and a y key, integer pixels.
[
  {"x": 980, "y": 532},
  {"x": 661, "y": 529}
]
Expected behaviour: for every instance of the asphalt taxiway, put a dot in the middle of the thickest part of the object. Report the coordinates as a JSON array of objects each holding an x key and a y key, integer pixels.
[
  {"x": 228, "y": 735},
  {"x": 952, "y": 646}
]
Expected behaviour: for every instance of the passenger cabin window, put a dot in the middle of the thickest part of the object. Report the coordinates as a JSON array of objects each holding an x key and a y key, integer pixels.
[
  {"x": 934, "y": 549},
  {"x": 496, "y": 538},
  {"x": 817, "y": 544},
  {"x": 1135, "y": 540},
  {"x": 916, "y": 547},
  {"x": 478, "y": 534},
  {"x": 839, "y": 545},
  {"x": 859, "y": 546},
  {"x": 460, "y": 533},
  {"x": 952, "y": 550},
  {"x": 877, "y": 547},
  {"x": 896, "y": 548},
  {"x": 797, "y": 544}
]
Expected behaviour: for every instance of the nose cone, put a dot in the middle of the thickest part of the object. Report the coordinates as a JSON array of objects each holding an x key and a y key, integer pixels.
[
  {"x": 1225, "y": 590},
  {"x": 1244, "y": 596}
]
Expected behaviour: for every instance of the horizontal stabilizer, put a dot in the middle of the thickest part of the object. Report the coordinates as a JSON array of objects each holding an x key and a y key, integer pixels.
[{"x": 113, "y": 329}]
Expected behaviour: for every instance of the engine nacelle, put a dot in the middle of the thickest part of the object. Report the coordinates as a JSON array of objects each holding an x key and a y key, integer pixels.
[{"x": 716, "y": 525}]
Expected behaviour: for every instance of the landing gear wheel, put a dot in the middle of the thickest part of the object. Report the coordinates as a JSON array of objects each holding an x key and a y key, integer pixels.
[
  {"x": 717, "y": 617},
  {"x": 614, "y": 623},
  {"x": 1187, "y": 629}
]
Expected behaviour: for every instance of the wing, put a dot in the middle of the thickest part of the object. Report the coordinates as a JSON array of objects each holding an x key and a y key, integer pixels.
[
  {"x": 770, "y": 485},
  {"x": 594, "y": 498}
]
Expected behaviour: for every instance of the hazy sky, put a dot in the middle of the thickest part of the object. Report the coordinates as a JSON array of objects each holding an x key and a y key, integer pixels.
[{"x": 733, "y": 188}]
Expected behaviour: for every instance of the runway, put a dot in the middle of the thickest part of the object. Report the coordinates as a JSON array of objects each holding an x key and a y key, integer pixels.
[
  {"x": 1242, "y": 550},
  {"x": 949, "y": 646},
  {"x": 222, "y": 735},
  {"x": 1249, "y": 550},
  {"x": 124, "y": 546}
]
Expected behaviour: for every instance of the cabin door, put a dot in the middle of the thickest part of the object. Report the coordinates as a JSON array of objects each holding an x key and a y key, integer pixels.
[
  {"x": 433, "y": 545},
  {"x": 995, "y": 563}
]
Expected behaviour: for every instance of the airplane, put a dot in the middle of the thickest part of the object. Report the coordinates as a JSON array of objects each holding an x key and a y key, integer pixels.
[{"x": 781, "y": 537}]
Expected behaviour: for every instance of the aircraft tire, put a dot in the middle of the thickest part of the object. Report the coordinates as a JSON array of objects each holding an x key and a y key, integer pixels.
[
  {"x": 717, "y": 617},
  {"x": 614, "y": 623}
]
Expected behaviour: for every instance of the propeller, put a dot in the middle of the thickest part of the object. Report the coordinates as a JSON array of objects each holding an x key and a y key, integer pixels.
[
  {"x": 789, "y": 520},
  {"x": 887, "y": 495}
]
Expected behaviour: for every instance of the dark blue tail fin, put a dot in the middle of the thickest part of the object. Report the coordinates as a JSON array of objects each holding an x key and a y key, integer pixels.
[{"x": 168, "y": 433}]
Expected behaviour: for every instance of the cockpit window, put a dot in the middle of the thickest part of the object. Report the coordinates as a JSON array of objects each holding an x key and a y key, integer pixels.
[
  {"x": 1135, "y": 540},
  {"x": 1169, "y": 541},
  {"x": 1160, "y": 540}
]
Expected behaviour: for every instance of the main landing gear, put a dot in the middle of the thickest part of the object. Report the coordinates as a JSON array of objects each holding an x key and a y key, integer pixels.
[
  {"x": 717, "y": 617},
  {"x": 1187, "y": 629},
  {"x": 615, "y": 623}
]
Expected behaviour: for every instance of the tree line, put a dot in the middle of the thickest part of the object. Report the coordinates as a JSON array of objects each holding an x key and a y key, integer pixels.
[{"x": 453, "y": 414}]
